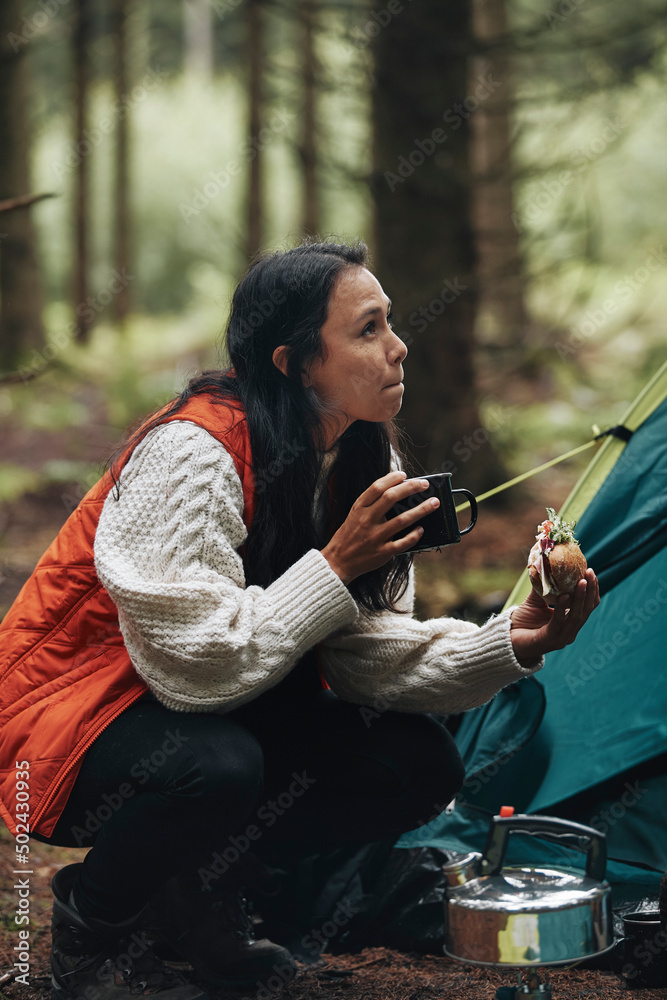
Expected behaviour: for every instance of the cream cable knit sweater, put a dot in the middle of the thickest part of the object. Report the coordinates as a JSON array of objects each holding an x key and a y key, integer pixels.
[{"x": 167, "y": 553}]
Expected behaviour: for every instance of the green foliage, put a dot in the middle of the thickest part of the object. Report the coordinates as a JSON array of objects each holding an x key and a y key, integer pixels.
[
  {"x": 561, "y": 531},
  {"x": 15, "y": 480},
  {"x": 109, "y": 383}
]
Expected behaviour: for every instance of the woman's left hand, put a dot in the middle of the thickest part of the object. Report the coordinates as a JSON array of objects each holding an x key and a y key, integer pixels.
[{"x": 538, "y": 629}]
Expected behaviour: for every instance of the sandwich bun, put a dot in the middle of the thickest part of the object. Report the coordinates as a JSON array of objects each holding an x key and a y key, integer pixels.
[
  {"x": 555, "y": 562},
  {"x": 567, "y": 565}
]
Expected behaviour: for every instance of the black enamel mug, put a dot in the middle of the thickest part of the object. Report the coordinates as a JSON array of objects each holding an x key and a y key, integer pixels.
[
  {"x": 644, "y": 950},
  {"x": 441, "y": 527}
]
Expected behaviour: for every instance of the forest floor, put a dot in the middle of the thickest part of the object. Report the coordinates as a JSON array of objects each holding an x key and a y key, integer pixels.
[{"x": 372, "y": 974}]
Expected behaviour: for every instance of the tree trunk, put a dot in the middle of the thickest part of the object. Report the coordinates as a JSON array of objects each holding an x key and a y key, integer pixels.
[
  {"x": 255, "y": 49},
  {"x": 425, "y": 242},
  {"x": 81, "y": 78},
  {"x": 121, "y": 302},
  {"x": 308, "y": 145},
  {"x": 21, "y": 327},
  {"x": 501, "y": 319}
]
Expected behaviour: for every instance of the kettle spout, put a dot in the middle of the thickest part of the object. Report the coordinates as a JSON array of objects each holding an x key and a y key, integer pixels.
[{"x": 463, "y": 869}]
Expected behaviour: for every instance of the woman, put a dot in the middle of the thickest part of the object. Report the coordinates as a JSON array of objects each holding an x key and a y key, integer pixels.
[{"x": 186, "y": 671}]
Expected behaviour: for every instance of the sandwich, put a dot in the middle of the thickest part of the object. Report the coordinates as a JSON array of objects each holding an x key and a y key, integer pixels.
[{"x": 555, "y": 563}]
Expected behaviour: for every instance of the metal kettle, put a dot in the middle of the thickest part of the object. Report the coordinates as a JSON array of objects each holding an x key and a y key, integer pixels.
[{"x": 526, "y": 917}]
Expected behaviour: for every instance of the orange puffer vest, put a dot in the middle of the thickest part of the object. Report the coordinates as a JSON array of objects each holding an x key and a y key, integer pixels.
[{"x": 65, "y": 673}]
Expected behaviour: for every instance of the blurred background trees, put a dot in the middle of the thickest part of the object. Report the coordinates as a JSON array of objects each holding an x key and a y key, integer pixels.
[
  {"x": 20, "y": 282},
  {"x": 504, "y": 159}
]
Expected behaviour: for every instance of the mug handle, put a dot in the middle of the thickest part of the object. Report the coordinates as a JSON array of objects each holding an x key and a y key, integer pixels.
[{"x": 473, "y": 511}]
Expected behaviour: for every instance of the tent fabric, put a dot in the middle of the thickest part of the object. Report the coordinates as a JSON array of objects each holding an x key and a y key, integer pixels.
[
  {"x": 626, "y": 524},
  {"x": 606, "y": 696},
  {"x": 594, "y": 479},
  {"x": 598, "y": 709}
]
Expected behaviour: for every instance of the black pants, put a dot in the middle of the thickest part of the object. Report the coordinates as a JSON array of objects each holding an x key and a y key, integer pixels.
[{"x": 296, "y": 772}]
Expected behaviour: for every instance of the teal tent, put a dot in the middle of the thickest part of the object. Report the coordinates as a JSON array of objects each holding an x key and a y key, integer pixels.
[{"x": 586, "y": 738}]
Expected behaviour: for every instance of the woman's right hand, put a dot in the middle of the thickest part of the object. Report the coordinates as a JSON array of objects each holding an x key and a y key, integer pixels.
[{"x": 364, "y": 540}]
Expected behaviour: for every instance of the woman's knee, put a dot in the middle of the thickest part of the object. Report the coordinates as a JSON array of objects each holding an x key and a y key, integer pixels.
[
  {"x": 222, "y": 763},
  {"x": 440, "y": 749},
  {"x": 431, "y": 763},
  {"x": 410, "y": 756}
]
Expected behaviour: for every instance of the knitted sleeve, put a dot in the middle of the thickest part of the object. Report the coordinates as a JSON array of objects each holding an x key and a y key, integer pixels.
[
  {"x": 442, "y": 665},
  {"x": 167, "y": 553}
]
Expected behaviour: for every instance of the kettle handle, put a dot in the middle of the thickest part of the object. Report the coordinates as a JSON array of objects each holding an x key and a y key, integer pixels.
[{"x": 551, "y": 827}]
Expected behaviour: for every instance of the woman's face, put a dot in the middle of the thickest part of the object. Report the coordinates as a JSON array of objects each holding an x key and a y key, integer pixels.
[{"x": 360, "y": 373}]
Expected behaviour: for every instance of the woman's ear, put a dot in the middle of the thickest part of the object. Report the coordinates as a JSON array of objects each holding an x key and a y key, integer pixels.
[{"x": 281, "y": 357}]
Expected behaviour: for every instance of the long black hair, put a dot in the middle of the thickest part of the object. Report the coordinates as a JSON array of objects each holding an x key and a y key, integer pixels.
[{"x": 283, "y": 299}]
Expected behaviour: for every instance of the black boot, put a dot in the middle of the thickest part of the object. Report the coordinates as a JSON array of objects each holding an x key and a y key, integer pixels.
[
  {"x": 213, "y": 931},
  {"x": 98, "y": 961}
]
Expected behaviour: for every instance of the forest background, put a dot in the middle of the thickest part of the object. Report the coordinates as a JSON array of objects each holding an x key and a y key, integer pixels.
[{"x": 504, "y": 159}]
